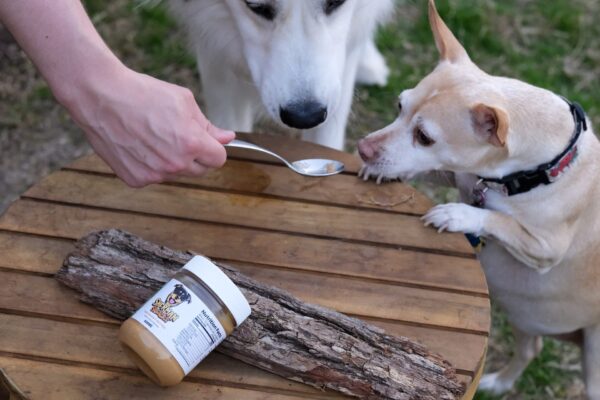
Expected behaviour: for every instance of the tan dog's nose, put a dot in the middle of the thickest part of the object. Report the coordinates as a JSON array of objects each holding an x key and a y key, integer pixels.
[{"x": 368, "y": 149}]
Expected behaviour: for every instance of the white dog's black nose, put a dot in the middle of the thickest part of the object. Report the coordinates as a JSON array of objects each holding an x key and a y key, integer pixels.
[{"x": 303, "y": 115}]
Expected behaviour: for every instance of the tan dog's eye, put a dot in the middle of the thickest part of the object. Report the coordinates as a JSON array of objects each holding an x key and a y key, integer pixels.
[{"x": 421, "y": 137}]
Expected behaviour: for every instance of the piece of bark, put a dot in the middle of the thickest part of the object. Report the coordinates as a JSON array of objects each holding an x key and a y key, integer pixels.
[
  {"x": 117, "y": 272},
  {"x": 8, "y": 389}
]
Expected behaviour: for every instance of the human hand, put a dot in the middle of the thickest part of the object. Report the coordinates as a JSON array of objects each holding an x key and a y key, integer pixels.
[{"x": 147, "y": 130}]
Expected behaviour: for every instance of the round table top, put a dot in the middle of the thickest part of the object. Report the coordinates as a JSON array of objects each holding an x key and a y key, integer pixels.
[{"x": 350, "y": 245}]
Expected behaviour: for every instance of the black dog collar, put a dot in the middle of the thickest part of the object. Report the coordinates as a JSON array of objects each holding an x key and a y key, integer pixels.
[{"x": 545, "y": 174}]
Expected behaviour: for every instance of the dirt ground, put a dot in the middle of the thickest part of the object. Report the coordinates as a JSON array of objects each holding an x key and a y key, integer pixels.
[{"x": 36, "y": 136}]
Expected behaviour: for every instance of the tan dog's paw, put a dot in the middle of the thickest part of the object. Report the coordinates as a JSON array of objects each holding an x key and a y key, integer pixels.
[
  {"x": 494, "y": 384},
  {"x": 456, "y": 217}
]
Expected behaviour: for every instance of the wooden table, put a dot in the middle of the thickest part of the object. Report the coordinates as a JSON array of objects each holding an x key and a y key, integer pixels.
[{"x": 340, "y": 242}]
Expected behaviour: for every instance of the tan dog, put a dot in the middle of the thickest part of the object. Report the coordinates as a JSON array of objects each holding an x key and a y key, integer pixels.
[{"x": 541, "y": 225}]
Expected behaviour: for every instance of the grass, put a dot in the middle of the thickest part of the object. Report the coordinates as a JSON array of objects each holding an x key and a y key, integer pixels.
[
  {"x": 551, "y": 44},
  {"x": 548, "y": 43}
]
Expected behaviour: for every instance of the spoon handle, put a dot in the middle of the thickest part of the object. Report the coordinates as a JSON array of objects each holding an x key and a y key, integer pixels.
[{"x": 240, "y": 144}]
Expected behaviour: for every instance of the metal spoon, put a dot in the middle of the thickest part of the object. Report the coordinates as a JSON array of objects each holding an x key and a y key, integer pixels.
[{"x": 311, "y": 167}]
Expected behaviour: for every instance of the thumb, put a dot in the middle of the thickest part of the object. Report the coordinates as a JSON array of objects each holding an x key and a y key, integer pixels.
[{"x": 221, "y": 135}]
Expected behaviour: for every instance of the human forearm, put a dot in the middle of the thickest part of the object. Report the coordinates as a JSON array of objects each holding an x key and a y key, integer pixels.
[
  {"x": 60, "y": 39},
  {"x": 147, "y": 130}
]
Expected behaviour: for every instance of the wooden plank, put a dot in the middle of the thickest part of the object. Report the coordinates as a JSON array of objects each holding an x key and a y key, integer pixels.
[
  {"x": 31, "y": 253},
  {"x": 35, "y": 336},
  {"x": 242, "y": 176},
  {"x": 378, "y": 300},
  {"x": 293, "y": 149},
  {"x": 52, "y": 381},
  {"x": 474, "y": 383},
  {"x": 463, "y": 350},
  {"x": 381, "y": 300},
  {"x": 45, "y": 255},
  {"x": 31, "y": 294},
  {"x": 350, "y": 296},
  {"x": 244, "y": 210},
  {"x": 98, "y": 345}
]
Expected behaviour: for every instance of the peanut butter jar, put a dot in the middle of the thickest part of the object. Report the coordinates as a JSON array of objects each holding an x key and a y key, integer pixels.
[{"x": 183, "y": 322}]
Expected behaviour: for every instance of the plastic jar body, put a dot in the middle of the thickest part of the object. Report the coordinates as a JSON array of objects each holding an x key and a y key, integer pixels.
[{"x": 183, "y": 322}]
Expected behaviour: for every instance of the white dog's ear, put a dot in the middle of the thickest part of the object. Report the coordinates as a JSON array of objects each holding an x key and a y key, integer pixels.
[
  {"x": 490, "y": 123},
  {"x": 449, "y": 47}
]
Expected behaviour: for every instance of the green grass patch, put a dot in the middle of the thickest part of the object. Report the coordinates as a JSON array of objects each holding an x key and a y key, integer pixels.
[
  {"x": 155, "y": 36},
  {"x": 549, "y": 44}
]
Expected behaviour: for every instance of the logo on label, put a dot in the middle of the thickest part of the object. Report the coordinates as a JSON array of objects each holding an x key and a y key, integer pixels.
[{"x": 163, "y": 309}]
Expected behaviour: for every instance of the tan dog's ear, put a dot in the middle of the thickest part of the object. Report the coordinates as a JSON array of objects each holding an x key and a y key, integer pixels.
[
  {"x": 449, "y": 47},
  {"x": 490, "y": 123}
]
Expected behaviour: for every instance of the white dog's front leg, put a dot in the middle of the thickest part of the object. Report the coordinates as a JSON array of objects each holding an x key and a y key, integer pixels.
[
  {"x": 527, "y": 347},
  {"x": 372, "y": 69},
  {"x": 537, "y": 248},
  {"x": 591, "y": 361},
  {"x": 333, "y": 132},
  {"x": 230, "y": 102}
]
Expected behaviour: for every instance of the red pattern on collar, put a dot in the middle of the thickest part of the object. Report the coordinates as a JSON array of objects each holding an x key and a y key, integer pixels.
[{"x": 563, "y": 164}]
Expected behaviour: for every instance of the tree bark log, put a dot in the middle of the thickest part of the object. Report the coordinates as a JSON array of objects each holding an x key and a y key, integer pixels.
[{"x": 117, "y": 272}]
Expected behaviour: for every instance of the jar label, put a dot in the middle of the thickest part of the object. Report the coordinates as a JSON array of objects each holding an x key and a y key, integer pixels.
[{"x": 182, "y": 322}]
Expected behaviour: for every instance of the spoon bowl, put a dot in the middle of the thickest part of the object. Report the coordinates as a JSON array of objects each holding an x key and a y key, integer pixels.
[
  {"x": 318, "y": 167},
  {"x": 311, "y": 167}
]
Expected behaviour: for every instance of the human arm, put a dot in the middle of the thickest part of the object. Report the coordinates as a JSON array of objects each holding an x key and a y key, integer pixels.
[{"x": 147, "y": 130}]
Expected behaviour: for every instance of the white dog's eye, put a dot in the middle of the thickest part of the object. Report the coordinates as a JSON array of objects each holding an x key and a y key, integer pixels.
[
  {"x": 267, "y": 11},
  {"x": 421, "y": 137},
  {"x": 400, "y": 105},
  {"x": 332, "y": 5}
]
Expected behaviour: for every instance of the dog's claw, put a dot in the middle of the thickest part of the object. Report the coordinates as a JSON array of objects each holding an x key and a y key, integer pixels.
[
  {"x": 366, "y": 176},
  {"x": 380, "y": 179},
  {"x": 363, "y": 169}
]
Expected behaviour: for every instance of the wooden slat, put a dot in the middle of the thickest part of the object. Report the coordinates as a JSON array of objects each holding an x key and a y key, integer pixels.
[
  {"x": 98, "y": 345},
  {"x": 31, "y": 253},
  {"x": 30, "y": 294},
  {"x": 53, "y": 381},
  {"x": 377, "y": 299},
  {"x": 381, "y": 300},
  {"x": 293, "y": 150},
  {"x": 463, "y": 350},
  {"x": 45, "y": 255},
  {"x": 349, "y": 296},
  {"x": 245, "y": 210},
  {"x": 278, "y": 181}
]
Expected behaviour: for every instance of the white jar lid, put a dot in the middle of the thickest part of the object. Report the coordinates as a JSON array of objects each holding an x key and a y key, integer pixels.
[{"x": 221, "y": 285}]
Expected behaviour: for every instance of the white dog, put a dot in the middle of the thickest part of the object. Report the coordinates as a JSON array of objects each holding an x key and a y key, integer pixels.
[
  {"x": 296, "y": 60},
  {"x": 528, "y": 165}
]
